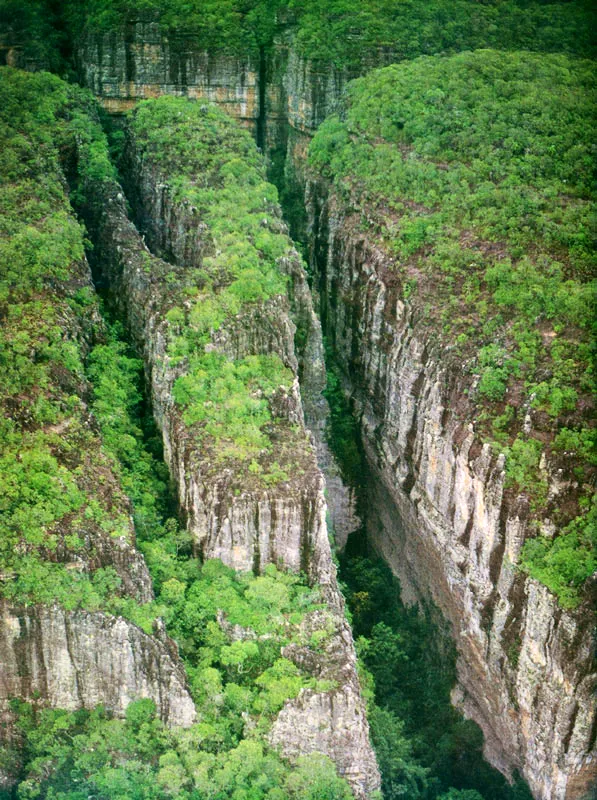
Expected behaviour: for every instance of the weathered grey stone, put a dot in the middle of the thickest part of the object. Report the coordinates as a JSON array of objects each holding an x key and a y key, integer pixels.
[
  {"x": 80, "y": 659},
  {"x": 441, "y": 517},
  {"x": 142, "y": 61}
]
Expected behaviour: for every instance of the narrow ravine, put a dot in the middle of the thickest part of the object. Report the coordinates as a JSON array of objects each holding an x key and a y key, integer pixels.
[
  {"x": 424, "y": 345},
  {"x": 231, "y": 513}
]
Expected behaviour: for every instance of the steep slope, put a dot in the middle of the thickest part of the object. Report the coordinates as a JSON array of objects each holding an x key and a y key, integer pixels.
[
  {"x": 214, "y": 328},
  {"x": 464, "y": 346},
  {"x": 69, "y": 563}
]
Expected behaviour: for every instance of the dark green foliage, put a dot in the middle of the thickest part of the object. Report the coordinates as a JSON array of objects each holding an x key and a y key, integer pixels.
[
  {"x": 351, "y": 34},
  {"x": 31, "y": 34},
  {"x": 475, "y": 171},
  {"x": 343, "y": 429},
  {"x": 423, "y": 745}
]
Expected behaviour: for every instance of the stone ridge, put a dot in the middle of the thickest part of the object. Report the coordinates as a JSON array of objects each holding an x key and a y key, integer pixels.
[
  {"x": 229, "y": 513},
  {"x": 525, "y": 667}
]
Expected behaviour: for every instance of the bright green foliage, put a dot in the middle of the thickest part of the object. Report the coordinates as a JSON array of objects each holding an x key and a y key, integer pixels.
[
  {"x": 563, "y": 564},
  {"x": 74, "y": 756},
  {"x": 58, "y": 486},
  {"x": 475, "y": 172},
  {"x": 231, "y": 399},
  {"x": 238, "y": 685},
  {"x": 213, "y": 168}
]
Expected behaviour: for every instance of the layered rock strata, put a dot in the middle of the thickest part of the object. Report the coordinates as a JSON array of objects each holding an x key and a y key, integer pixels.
[
  {"x": 81, "y": 659},
  {"x": 230, "y": 514},
  {"x": 143, "y": 61},
  {"x": 442, "y": 518}
]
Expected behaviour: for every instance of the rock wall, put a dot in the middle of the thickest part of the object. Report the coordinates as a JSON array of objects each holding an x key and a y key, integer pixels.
[
  {"x": 229, "y": 514},
  {"x": 443, "y": 519},
  {"x": 143, "y": 61},
  {"x": 80, "y": 659}
]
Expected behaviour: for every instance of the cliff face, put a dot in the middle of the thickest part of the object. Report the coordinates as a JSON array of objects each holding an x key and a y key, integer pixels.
[
  {"x": 442, "y": 518},
  {"x": 143, "y": 61},
  {"x": 82, "y": 659},
  {"x": 229, "y": 513}
]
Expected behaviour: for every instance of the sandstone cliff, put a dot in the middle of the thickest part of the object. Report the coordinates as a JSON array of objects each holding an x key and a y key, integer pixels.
[
  {"x": 82, "y": 659},
  {"x": 440, "y": 515},
  {"x": 144, "y": 61}
]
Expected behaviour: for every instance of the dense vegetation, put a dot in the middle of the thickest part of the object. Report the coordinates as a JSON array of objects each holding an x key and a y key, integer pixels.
[
  {"x": 74, "y": 756},
  {"x": 59, "y": 488},
  {"x": 351, "y": 33},
  {"x": 213, "y": 170},
  {"x": 346, "y": 33},
  {"x": 475, "y": 172}
]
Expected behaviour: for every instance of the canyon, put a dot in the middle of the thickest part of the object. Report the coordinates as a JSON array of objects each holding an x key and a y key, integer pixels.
[
  {"x": 435, "y": 501},
  {"x": 517, "y": 677}
]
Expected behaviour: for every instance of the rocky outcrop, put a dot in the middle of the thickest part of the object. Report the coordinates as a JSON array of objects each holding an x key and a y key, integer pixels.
[
  {"x": 81, "y": 659},
  {"x": 142, "y": 61},
  {"x": 441, "y": 516},
  {"x": 331, "y": 722},
  {"x": 230, "y": 513}
]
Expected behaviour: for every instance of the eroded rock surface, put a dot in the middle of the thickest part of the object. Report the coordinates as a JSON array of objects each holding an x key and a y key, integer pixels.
[
  {"x": 81, "y": 659},
  {"x": 442, "y": 518}
]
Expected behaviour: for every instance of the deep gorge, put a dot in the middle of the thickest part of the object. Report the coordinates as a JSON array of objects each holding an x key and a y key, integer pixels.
[{"x": 432, "y": 494}]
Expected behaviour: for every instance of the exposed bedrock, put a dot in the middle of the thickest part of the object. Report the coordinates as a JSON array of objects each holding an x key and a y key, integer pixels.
[
  {"x": 440, "y": 515},
  {"x": 143, "y": 61},
  {"x": 81, "y": 659},
  {"x": 229, "y": 514}
]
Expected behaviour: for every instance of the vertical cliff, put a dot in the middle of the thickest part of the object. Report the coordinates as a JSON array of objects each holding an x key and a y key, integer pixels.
[
  {"x": 249, "y": 504},
  {"x": 446, "y": 507},
  {"x": 142, "y": 60}
]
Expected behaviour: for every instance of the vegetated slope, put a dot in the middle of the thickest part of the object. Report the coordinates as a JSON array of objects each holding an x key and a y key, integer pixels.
[
  {"x": 474, "y": 174},
  {"x": 74, "y": 592},
  {"x": 232, "y": 629},
  {"x": 66, "y": 526}
]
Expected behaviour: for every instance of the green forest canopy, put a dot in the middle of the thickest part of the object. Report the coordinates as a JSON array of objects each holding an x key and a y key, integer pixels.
[{"x": 348, "y": 33}]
